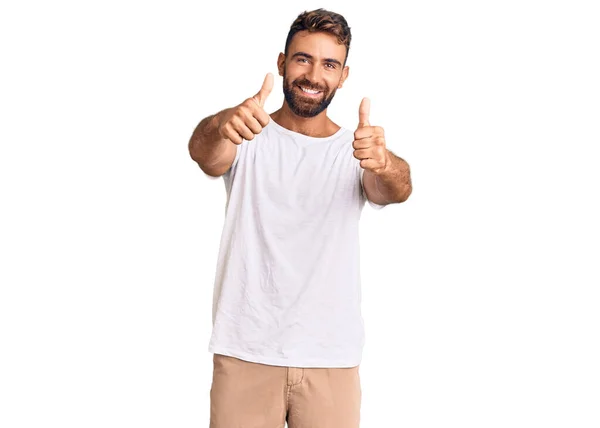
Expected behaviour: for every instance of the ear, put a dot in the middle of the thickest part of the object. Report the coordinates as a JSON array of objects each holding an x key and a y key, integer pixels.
[
  {"x": 281, "y": 63},
  {"x": 345, "y": 73}
]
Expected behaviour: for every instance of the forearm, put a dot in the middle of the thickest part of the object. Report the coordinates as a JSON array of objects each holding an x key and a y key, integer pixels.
[
  {"x": 392, "y": 184},
  {"x": 206, "y": 146}
]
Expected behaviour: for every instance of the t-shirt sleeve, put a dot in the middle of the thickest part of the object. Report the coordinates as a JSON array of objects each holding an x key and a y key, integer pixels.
[
  {"x": 231, "y": 170},
  {"x": 238, "y": 149},
  {"x": 373, "y": 204}
]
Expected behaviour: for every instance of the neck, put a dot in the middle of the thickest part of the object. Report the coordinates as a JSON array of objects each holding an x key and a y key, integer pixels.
[{"x": 318, "y": 126}]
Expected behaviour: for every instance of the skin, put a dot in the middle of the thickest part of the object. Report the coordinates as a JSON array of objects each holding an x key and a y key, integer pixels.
[
  {"x": 314, "y": 60},
  {"x": 319, "y": 71}
]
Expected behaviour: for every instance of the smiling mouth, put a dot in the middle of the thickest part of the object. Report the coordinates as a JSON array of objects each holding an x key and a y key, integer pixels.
[{"x": 309, "y": 92}]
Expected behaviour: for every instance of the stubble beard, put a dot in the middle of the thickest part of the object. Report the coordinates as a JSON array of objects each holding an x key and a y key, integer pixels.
[{"x": 305, "y": 106}]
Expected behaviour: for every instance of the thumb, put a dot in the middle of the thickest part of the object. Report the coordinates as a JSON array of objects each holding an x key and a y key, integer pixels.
[
  {"x": 363, "y": 113},
  {"x": 264, "y": 92}
]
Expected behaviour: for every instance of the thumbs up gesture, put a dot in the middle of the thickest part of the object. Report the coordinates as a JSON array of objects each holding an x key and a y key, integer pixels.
[
  {"x": 369, "y": 142},
  {"x": 247, "y": 119}
]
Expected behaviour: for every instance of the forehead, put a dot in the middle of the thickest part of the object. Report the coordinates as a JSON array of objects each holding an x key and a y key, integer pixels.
[{"x": 318, "y": 44}]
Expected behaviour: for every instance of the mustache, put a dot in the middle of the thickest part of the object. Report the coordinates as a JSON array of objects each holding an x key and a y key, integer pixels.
[{"x": 306, "y": 84}]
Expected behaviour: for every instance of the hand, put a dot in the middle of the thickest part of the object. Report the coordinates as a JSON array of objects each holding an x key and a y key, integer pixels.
[
  {"x": 247, "y": 119},
  {"x": 369, "y": 142}
]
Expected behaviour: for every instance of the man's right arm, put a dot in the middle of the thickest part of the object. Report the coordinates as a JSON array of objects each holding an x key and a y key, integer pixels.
[
  {"x": 213, "y": 153},
  {"x": 213, "y": 142}
]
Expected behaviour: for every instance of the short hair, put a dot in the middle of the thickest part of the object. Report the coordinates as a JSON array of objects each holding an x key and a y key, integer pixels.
[{"x": 321, "y": 20}]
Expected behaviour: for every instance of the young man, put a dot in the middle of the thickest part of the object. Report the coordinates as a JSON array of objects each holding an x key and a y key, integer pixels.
[{"x": 287, "y": 327}]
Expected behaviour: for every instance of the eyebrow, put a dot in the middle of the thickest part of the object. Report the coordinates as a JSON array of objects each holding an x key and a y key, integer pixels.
[{"x": 329, "y": 60}]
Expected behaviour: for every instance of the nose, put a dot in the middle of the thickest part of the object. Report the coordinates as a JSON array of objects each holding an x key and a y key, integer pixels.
[{"x": 314, "y": 75}]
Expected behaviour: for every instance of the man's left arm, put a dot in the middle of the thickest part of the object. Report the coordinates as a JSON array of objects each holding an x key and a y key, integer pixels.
[
  {"x": 391, "y": 184},
  {"x": 387, "y": 177}
]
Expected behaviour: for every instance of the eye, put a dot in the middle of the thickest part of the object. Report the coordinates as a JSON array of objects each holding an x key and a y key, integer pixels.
[
  {"x": 331, "y": 66},
  {"x": 302, "y": 59}
]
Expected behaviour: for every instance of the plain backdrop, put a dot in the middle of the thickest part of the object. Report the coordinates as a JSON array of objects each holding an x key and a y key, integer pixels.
[{"x": 480, "y": 293}]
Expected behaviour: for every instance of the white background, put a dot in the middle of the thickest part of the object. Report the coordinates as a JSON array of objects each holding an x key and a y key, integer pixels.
[{"x": 480, "y": 293}]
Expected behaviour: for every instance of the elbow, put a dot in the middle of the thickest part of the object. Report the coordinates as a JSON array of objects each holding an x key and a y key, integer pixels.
[
  {"x": 211, "y": 172},
  {"x": 406, "y": 188},
  {"x": 406, "y": 191},
  {"x": 191, "y": 151},
  {"x": 196, "y": 157}
]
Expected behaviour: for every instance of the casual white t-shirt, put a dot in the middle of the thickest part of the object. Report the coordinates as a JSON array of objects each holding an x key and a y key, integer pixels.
[{"x": 287, "y": 288}]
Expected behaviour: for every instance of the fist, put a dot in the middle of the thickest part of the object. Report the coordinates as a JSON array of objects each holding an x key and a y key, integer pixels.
[
  {"x": 369, "y": 142},
  {"x": 247, "y": 119}
]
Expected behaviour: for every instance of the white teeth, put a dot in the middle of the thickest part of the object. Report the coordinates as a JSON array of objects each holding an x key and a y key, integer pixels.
[{"x": 310, "y": 91}]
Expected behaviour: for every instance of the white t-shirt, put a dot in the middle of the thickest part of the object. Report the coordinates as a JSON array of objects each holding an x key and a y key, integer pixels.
[{"x": 287, "y": 288}]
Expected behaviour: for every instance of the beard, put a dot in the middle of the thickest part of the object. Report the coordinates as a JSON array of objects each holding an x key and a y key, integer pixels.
[{"x": 305, "y": 106}]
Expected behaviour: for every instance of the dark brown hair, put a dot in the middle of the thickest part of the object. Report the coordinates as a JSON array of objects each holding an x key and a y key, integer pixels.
[{"x": 321, "y": 20}]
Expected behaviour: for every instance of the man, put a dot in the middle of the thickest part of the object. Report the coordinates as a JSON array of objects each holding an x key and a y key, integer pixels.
[{"x": 287, "y": 327}]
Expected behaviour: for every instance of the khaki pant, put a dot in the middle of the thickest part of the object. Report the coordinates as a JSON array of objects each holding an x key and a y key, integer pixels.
[{"x": 251, "y": 395}]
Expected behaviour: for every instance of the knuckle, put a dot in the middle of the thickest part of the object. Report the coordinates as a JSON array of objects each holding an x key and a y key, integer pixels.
[
  {"x": 262, "y": 123},
  {"x": 243, "y": 112},
  {"x": 245, "y": 117},
  {"x": 248, "y": 103},
  {"x": 236, "y": 113},
  {"x": 253, "y": 124},
  {"x": 233, "y": 121},
  {"x": 228, "y": 129},
  {"x": 233, "y": 136}
]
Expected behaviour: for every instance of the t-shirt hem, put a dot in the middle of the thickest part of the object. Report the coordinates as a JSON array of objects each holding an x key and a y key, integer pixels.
[{"x": 285, "y": 362}]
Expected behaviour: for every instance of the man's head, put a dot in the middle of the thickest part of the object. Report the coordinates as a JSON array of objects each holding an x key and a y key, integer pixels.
[{"x": 315, "y": 57}]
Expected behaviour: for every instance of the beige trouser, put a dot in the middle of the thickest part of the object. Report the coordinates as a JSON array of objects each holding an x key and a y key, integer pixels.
[{"x": 251, "y": 395}]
